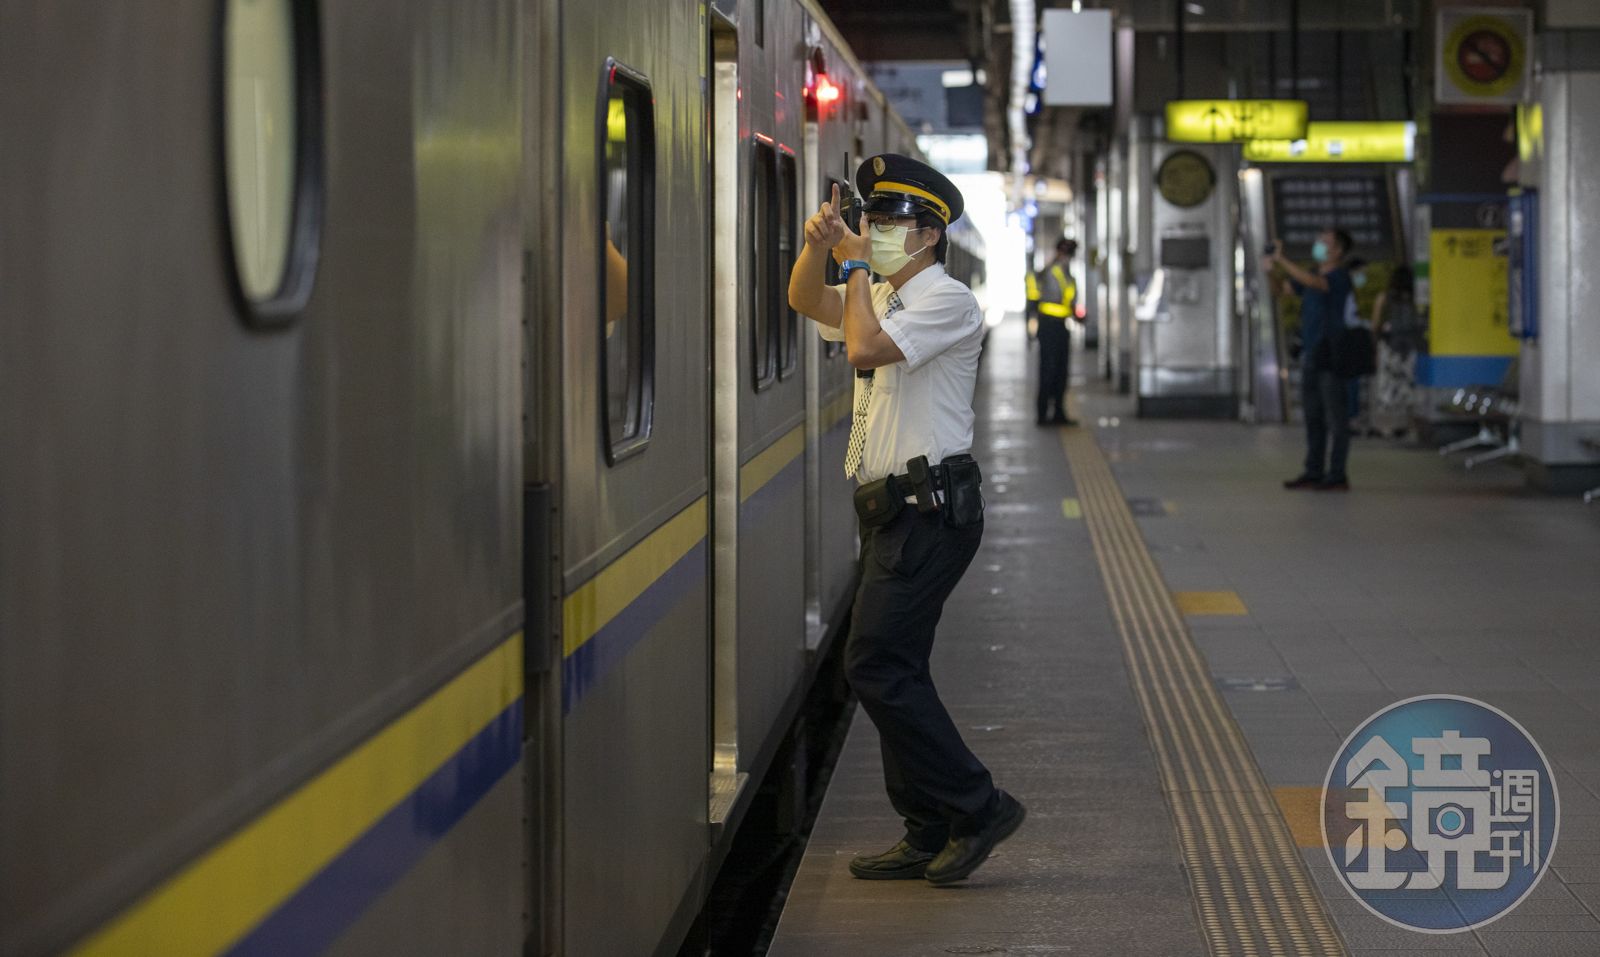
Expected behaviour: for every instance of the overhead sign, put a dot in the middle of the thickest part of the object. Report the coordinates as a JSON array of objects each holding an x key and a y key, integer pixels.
[
  {"x": 1483, "y": 55},
  {"x": 1235, "y": 121},
  {"x": 1340, "y": 143},
  {"x": 1077, "y": 57}
]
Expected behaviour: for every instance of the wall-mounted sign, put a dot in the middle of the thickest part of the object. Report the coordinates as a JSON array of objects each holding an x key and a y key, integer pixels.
[
  {"x": 1077, "y": 58},
  {"x": 1340, "y": 143},
  {"x": 1185, "y": 179},
  {"x": 1469, "y": 314},
  {"x": 1483, "y": 55},
  {"x": 1235, "y": 121}
]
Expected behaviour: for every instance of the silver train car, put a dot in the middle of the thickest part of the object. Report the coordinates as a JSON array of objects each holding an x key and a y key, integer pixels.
[{"x": 420, "y": 513}]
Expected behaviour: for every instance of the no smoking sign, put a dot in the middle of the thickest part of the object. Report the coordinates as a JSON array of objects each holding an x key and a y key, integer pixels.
[{"x": 1483, "y": 55}]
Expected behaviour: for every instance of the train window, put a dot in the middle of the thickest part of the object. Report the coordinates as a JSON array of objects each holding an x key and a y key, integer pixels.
[
  {"x": 830, "y": 270},
  {"x": 271, "y": 145},
  {"x": 764, "y": 302},
  {"x": 788, "y": 319},
  {"x": 627, "y": 259}
]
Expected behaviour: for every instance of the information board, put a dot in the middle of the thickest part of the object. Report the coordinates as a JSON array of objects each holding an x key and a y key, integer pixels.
[
  {"x": 1304, "y": 204},
  {"x": 1468, "y": 316}
]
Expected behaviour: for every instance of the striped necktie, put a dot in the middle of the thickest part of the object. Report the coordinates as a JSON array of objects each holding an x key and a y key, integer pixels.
[{"x": 858, "y": 421}]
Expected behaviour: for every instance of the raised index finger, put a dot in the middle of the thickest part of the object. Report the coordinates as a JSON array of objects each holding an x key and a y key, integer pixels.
[{"x": 835, "y": 195}]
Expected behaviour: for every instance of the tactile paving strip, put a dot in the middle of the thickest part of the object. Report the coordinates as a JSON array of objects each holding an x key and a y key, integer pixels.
[{"x": 1250, "y": 885}]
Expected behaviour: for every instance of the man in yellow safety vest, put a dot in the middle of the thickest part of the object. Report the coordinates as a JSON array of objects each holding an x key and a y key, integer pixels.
[
  {"x": 1030, "y": 315},
  {"x": 1058, "y": 297}
]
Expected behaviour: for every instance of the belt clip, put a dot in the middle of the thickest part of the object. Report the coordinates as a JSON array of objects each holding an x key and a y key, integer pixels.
[{"x": 922, "y": 483}]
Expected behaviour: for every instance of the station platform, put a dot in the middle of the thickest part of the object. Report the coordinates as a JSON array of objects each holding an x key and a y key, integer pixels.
[{"x": 1159, "y": 650}]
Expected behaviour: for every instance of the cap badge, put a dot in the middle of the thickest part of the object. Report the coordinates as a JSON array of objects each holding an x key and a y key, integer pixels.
[{"x": 877, "y": 165}]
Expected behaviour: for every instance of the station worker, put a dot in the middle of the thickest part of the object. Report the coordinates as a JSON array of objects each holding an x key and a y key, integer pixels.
[
  {"x": 914, "y": 340},
  {"x": 1058, "y": 296},
  {"x": 1030, "y": 312}
]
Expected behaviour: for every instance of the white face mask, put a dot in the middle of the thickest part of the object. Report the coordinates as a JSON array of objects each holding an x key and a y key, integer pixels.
[{"x": 889, "y": 254}]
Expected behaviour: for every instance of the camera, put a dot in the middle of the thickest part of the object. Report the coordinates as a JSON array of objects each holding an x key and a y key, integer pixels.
[{"x": 849, "y": 207}]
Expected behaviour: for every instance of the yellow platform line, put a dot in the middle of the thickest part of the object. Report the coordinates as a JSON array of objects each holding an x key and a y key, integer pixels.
[
  {"x": 1302, "y": 809},
  {"x": 1210, "y": 603},
  {"x": 1252, "y": 891}
]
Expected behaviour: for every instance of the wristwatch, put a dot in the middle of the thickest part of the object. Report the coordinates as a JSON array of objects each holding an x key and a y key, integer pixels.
[{"x": 846, "y": 267}]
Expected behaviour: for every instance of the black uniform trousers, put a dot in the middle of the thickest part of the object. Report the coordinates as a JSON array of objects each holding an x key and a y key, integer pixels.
[
  {"x": 1055, "y": 350},
  {"x": 908, "y": 569},
  {"x": 1324, "y": 399}
]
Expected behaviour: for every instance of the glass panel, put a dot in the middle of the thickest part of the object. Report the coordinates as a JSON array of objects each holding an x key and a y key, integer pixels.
[
  {"x": 831, "y": 273},
  {"x": 788, "y": 319},
  {"x": 627, "y": 191},
  {"x": 763, "y": 225},
  {"x": 259, "y": 140},
  {"x": 621, "y": 248}
]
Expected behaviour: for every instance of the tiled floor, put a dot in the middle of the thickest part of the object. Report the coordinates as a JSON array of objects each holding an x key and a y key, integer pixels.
[{"x": 1424, "y": 578}]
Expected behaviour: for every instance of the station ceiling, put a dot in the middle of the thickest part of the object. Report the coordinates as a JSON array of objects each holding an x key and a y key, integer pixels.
[{"x": 1224, "y": 39}]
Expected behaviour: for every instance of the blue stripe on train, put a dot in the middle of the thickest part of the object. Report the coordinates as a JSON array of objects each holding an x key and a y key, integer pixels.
[
  {"x": 325, "y": 907},
  {"x": 584, "y": 668}
]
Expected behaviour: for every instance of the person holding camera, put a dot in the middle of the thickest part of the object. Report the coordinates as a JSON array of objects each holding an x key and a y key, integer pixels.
[
  {"x": 914, "y": 340},
  {"x": 1324, "y": 394}
]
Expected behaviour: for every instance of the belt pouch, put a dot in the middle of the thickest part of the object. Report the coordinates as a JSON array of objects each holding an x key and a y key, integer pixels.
[
  {"x": 962, "y": 494},
  {"x": 877, "y": 503}
]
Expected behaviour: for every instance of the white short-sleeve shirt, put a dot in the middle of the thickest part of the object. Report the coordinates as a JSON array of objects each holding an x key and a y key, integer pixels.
[{"x": 923, "y": 404}]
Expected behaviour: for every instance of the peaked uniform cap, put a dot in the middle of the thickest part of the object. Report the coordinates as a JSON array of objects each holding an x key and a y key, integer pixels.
[{"x": 900, "y": 186}]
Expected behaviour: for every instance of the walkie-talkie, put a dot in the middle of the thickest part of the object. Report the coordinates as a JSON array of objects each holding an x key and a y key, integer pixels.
[{"x": 921, "y": 475}]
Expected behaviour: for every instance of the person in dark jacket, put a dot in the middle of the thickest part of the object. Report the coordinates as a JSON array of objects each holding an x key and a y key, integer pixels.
[{"x": 1324, "y": 395}]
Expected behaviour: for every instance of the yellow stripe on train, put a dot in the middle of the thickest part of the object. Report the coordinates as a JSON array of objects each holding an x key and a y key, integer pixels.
[
  {"x": 604, "y": 596},
  {"x": 766, "y": 464},
  {"x": 214, "y": 901}
]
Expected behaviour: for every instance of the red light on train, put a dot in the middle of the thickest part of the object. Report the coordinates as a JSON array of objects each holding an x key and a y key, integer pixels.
[{"x": 826, "y": 91}]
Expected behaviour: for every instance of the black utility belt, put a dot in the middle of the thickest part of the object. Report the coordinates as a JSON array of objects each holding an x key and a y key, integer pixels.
[{"x": 951, "y": 487}]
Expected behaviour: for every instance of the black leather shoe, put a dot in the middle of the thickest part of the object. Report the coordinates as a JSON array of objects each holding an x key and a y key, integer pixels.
[
  {"x": 962, "y": 855},
  {"x": 1063, "y": 420},
  {"x": 1333, "y": 485},
  {"x": 1304, "y": 480},
  {"x": 899, "y": 863}
]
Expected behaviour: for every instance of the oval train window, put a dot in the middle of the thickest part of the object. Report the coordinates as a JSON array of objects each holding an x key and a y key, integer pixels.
[{"x": 271, "y": 131}]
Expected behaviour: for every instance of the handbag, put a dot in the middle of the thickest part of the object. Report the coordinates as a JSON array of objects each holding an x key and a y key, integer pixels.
[{"x": 1355, "y": 353}]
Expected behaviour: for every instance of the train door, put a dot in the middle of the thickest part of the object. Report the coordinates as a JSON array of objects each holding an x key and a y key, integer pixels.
[
  {"x": 726, "y": 179},
  {"x": 759, "y": 409},
  {"x": 830, "y": 516}
]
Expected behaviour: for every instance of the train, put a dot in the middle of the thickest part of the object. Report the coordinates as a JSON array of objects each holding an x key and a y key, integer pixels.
[{"x": 422, "y": 512}]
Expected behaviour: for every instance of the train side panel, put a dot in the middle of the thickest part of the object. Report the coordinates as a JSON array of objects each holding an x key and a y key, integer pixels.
[
  {"x": 235, "y": 555},
  {"x": 635, "y": 622},
  {"x": 770, "y": 397}
]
